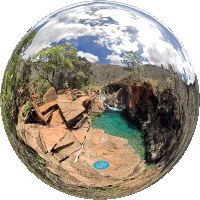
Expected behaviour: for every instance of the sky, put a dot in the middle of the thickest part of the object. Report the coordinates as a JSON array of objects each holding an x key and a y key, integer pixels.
[{"x": 101, "y": 32}]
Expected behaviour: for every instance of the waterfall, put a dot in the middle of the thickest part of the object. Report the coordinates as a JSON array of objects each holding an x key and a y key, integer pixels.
[{"x": 107, "y": 106}]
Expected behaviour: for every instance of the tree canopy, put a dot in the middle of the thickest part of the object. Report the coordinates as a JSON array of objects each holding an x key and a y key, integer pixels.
[
  {"x": 60, "y": 64},
  {"x": 132, "y": 61}
]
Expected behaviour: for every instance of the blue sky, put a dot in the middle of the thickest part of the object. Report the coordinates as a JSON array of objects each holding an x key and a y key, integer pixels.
[{"x": 102, "y": 31}]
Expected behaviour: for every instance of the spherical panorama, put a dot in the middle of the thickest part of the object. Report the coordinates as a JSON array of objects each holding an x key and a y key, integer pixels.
[{"x": 99, "y": 100}]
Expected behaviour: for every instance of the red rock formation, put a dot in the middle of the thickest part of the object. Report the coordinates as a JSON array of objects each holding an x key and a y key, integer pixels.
[
  {"x": 136, "y": 97},
  {"x": 50, "y": 95},
  {"x": 148, "y": 93}
]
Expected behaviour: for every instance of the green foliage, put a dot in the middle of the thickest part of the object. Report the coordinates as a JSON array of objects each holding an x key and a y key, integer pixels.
[
  {"x": 26, "y": 41},
  {"x": 13, "y": 80},
  {"x": 158, "y": 85},
  {"x": 176, "y": 76},
  {"x": 59, "y": 64},
  {"x": 169, "y": 83},
  {"x": 133, "y": 61},
  {"x": 192, "y": 103},
  {"x": 27, "y": 109},
  {"x": 74, "y": 97},
  {"x": 41, "y": 86},
  {"x": 86, "y": 88}
]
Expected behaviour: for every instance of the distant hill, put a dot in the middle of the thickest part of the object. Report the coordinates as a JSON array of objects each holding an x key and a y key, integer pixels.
[{"x": 104, "y": 74}]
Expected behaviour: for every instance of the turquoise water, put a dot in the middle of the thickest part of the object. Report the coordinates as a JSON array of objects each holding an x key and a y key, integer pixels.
[{"x": 115, "y": 123}]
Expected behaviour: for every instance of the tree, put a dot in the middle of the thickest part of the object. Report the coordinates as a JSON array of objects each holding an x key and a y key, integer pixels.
[
  {"x": 50, "y": 60},
  {"x": 15, "y": 78},
  {"x": 59, "y": 63},
  {"x": 80, "y": 75},
  {"x": 132, "y": 61}
]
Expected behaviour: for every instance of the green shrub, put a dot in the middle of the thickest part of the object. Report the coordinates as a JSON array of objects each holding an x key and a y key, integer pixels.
[
  {"x": 192, "y": 103},
  {"x": 41, "y": 86},
  {"x": 27, "y": 109}
]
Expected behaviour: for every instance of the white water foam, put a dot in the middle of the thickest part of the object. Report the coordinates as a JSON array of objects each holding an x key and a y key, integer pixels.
[{"x": 109, "y": 107}]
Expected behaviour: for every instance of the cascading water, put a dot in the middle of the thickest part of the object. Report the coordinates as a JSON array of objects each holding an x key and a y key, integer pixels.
[
  {"x": 106, "y": 105},
  {"x": 114, "y": 122}
]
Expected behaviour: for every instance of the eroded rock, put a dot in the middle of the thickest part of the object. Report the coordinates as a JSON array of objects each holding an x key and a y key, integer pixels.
[
  {"x": 57, "y": 118},
  {"x": 61, "y": 145},
  {"x": 51, "y": 136},
  {"x": 97, "y": 105},
  {"x": 50, "y": 95},
  {"x": 70, "y": 110},
  {"x": 80, "y": 134}
]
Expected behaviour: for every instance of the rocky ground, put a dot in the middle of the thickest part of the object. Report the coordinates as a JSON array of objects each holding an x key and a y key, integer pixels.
[
  {"x": 60, "y": 133},
  {"x": 162, "y": 107}
]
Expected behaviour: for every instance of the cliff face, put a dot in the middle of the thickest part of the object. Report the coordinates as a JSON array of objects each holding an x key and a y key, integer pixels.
[{"x": 159, "y": 114}]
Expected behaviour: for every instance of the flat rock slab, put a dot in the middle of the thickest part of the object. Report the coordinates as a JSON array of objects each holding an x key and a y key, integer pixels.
[
  {"x": 51, "y": 136},
  {"x": 68, "y": 150},
  {"x": 93, "y": 141},
  {"x": 70, "y": 110},
  {"x": 65, "y": 141},
  {"x": 96, "y": 135},
  {"x": 48, "y": 107},
  {"x": 63, "y": 98},
  {"x": 74, "y": 173},
  {"x": 30, "y": 134},
  {"x": 84, "y": 100},
  {"x": 50, "y": 95},
  {"x": 115, "y": 142},
  {"x": 80, "y": 134},
  {"x": 56, "y": 119}
]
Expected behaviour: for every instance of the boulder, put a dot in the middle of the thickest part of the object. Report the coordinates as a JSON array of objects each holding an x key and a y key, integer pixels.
[
  {"x": 50, "y": 95},
  {"x": 97, "y": 105},
  {"x": 70, "y": 110},
  {"x": 34, "y": 96},
  {"x": 96, "y": 135},
  {"x": 57, "y": 118},
  {"x": 79, "y": 124},
  {"x": 87, "y": 124},
  {"x": 93, "y": 140},
  {"x": 53, "y": 105},
  {"x": 84, "y": 100},
  {"x": 69, "y": 96},
  {"x": 51, "y": 136},
  {"x": 78, "y": 93},
  {"x": 30, "y": 134}
]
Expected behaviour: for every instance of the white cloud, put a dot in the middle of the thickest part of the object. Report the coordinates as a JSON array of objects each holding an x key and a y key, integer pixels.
[
  {"x": 147, "y": 33},
  {"x": 114, "y": 59},
  {"x": 90, "y": 57}
]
